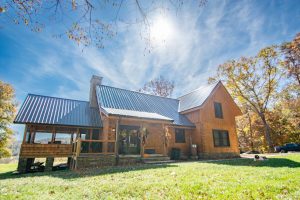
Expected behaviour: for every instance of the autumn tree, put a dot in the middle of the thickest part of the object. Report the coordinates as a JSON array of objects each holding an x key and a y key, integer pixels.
[
  {"x": 291, "y": 52},
  {"x": 254, "y": 81},
  {"x": 87, "y": 22},
  {"x": 7, "y": 112},
  {"x": 250, "y": 132},
  {"x": 159, "y": 86}
]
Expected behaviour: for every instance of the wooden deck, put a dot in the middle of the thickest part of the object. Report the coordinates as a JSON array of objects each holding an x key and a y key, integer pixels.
[{"x": 46, "y": 150}]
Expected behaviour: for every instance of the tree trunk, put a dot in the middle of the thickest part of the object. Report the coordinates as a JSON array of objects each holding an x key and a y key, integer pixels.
[
  {"x": 250, "y": 131},
  {"x": 267, "y": 132}
]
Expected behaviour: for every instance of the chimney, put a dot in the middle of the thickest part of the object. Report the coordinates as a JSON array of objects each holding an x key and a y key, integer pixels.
[{"x": 95, "y": 80}]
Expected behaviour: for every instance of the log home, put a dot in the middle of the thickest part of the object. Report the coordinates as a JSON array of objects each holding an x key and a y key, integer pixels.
[{"x": 121, "y": 127}]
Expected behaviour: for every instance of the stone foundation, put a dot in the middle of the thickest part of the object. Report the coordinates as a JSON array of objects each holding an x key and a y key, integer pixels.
[
  {"x": 218, "y": 155},
  {"x": 127, "y": 160},
  {"x": 83, "y": 162}
]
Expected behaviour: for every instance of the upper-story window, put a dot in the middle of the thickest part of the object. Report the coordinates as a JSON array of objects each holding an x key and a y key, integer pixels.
[
  {"x": 179, "y": 135},
  {"x": 218, "y": 110}
]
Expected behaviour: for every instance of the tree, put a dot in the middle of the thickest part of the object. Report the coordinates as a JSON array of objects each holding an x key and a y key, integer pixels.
[
  {"x": 7, "y": 112},
  {"x": 291, "y": 52},
  {"x": 158, "y": 86},
  {"x": 284, "y": 118},
  {"x": 250, "y": 132},
  {"x": 87, "y": 22},
  {"x": 254, "y": 81}
]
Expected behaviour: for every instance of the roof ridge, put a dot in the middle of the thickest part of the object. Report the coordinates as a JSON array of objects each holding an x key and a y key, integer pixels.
[
  {"x": 213, "y": 84},
  {"x": 30, "y": 94},
  {"x": 138, "y": 92}
]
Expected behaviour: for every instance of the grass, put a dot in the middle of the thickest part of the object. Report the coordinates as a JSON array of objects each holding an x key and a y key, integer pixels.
[{"x": 277, "y": 178}]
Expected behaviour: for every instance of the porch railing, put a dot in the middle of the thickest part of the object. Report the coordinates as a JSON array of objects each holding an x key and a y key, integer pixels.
[{"x": 84, "y": 147}]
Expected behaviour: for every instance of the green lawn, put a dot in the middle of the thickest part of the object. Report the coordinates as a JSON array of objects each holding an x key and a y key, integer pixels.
[{"x": 277, "y": 178}]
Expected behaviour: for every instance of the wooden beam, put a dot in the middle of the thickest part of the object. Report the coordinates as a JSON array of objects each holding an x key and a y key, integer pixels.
[
  {"x": 117, "y": 137},
  {"x": 25, "y": 134},
  {"x": 142, "y": 140}
]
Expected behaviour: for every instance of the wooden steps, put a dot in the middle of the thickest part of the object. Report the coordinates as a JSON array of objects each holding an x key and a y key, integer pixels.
[{"x": 156, "y": 159}]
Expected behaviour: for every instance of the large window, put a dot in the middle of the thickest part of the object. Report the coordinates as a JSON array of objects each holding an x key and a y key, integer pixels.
[
  {"x": 218, "y": 110},
  {"x": 179, "y": 135},
  {"x": 43, "y": 138},
  {"x": 221, "y": 138}
]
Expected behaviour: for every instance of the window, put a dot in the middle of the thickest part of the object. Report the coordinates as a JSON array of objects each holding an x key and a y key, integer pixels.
[
  {"x": 28, "y": 136},
  {"x": 96, "y": 134},
  {"x": 179, "y": 135},
  {"x": 110, "y": 147},
  {"x": 63, "y": 138},
  {"x": 218, "y": 110},
  {"x": 96, "y": 147},
  {"x": 221, "y": 138},
  {"x": 42, "y": 138},
  {"x": 84, "y": 134}
]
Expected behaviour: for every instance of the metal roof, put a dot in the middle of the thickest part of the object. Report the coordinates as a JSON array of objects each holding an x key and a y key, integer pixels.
[
  {"x": 195, "y": 98},
  {"x": 116, "y": 98},
  {"x": 133, "y": 113},
  {"x": 51, "y": 110}
]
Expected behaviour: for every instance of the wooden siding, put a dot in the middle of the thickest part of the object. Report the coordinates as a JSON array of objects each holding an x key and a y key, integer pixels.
[
  {"x": 46, "y": 150},
  {"x": 156, "y": 134},
  {"x": 185, "y": 148},
  {"x": 205, "y": 121}
]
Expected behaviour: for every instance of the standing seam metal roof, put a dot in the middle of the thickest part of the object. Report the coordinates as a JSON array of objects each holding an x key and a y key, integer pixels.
[
  {"x": 111, "y": 97},
  {"x": 51, "y": 110},
  {"x": 195, "y": 98}
]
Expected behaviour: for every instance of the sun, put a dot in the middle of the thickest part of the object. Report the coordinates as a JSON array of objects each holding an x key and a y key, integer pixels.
[{"x": 162, "y": 30}]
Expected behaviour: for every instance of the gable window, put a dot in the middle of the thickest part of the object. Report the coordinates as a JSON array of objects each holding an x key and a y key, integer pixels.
[
  {"x": 218, "y": 110},
  {"x": 179, "y": 135},
  {"x": 221, "y": 138}
]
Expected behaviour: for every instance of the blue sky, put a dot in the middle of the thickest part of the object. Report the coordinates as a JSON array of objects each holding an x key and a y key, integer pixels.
[{"x": 202, "y": 38}]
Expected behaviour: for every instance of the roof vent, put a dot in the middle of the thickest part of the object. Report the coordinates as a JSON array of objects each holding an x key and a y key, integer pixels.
[{"x": 95, "y": 80}]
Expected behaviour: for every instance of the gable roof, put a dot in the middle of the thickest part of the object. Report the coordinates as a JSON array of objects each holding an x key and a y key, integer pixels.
[
  {"x": 195, "y": 98},
  {"x": 58, "y": 111},
  {"x": 145, "y": 104}
]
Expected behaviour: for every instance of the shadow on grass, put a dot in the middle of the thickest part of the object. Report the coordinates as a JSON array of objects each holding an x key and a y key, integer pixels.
[
  {"x": 270, "y": 162},
  {"x": 68, "y": 174}
]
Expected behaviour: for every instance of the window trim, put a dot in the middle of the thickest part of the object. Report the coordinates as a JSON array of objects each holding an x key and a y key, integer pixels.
[
  {"x": 180, "y": 142},
  {"x": 221, "y": 110},
  {"x": 221, "y": 131}
]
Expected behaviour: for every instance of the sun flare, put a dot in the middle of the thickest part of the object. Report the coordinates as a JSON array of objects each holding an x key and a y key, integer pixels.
[{"x": 162, "y": 30}]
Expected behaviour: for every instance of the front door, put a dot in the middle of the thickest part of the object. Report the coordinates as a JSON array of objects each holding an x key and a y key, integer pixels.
[{"x": 129, "y": 140}]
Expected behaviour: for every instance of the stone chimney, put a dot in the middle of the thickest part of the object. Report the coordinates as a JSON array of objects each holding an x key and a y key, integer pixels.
[{"x": 95, "y": 80}]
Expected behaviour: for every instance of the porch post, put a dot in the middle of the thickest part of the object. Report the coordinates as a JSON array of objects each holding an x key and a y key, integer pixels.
[
  {"x": 117, "y": 140},
  {"x": 25, "y": 134},
  {"x": 165, "y": 139},
  {"x": 53, "y": 135},
  {"x": 32, "y": 133},
  {"x": 142, "y": 140}
]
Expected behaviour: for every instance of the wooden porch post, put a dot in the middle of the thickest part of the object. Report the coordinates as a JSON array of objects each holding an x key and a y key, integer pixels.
[
  {"x": 164, "y": 139},
  {"x": 25, "y": 134},
  {"x": 142, "y": 140},
  {"x": 53, "y": 135},
  {"x": 191, "y": 143},
  {"x": 32, "y": 133},
  {"x": 117, "y": 138}
]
